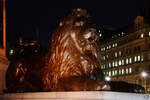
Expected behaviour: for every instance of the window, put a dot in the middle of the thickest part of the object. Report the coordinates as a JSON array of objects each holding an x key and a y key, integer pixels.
[
  {"x": 115, "y": 72},
  {"x": 110, "y": 73},
  {"x": 11, "y": 52},
  {"x": 104, "y": 66},
  {"x": 148, "y": 33},
  {"x": 135, "y": 59},
  {"x": 130, "y": 60},
  {"x": 130, "y": 70},
  {"x": 104, "y": 58},
  {"x": 122, "y": 71},
  {"x": 119, "y": 53},
  {"x": 107, "y": 56},
  {"x": 101, "y": 66},
  {"x": 109, "y": 46},
  {"x": 107, "y": 73},
  {"x": 116, "y": 64},
  {"x": 104, "y": 73},
  {"x": 104, "y": 48},
  {"x": 116, "y": 54},
  {"x": 139, "y": 58},
  {"x": 122, "y": 61},
  {"x": 116, "y": 44},
  {"x": 113, "y": 45},
  {"x": 127, "y": 71},
  {"x": 109, "y": 65},
  {"x": 142, "y": 35},
  {"x": 126, "y": 60},
  {"x": 113, "y": 64},
  {"x": 142, "y": 58}
]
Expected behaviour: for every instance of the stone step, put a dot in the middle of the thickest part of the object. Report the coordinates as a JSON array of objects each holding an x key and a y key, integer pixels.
[{"x": 80, "y": 95}]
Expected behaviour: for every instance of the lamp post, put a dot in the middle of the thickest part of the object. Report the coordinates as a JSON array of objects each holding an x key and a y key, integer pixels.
[{"x": 144, "y": 75}]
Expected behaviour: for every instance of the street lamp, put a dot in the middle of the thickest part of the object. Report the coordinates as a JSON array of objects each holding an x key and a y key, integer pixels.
[{"x": 144, "y": 75}]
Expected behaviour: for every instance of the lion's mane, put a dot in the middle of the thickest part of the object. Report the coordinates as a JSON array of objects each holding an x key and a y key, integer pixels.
[{"x": 74, "y": 50}]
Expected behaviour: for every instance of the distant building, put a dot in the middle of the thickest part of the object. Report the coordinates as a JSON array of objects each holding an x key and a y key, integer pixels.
[{"x": 126, "y": 53}]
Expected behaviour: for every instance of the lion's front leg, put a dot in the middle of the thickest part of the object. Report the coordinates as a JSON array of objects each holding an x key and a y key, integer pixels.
[{"x": 81, "y": 84}]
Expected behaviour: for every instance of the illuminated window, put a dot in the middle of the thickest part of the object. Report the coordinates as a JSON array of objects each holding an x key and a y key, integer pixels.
[
  {"x": 116, "y": 44},
  {"x": 104, "y": 58},
  {"x": 115, "y": 72},
  {"x": 101, "y": 49},
  {"x": 142, "y": 35},
  {"x": 142, "y": 58},
  {"x": 107, "y": 56},
  {"x": 11, "y": 51},
  {"x": 107, "y": 73},
  {"x": 109, "y": 46},
  {"x": 148, "y": 33},
  {"x": 101, "y": 66},
  {"x": 119, "y": 53},
  {"x": 110, "y": 73},
  {"x": 127, "y": 71},
  {"x": 122, "y": 71},
  {"x": 130, "y": 70},
  {"x": 138, "y": 58},
  {"x": 104, "y": 66},
  {"x": 113, "y": 45},
  {"x": 116, "y": 54},
  {"x": 130, "y": 60},
  {"x": 135, "y": 59},
  {"x": 109, "y": 65},
  {"x": 122, "y": 61},
  {"x": 104, "y": 48},
  {"x": 104, "y": 73},
  {"x": 116, "y": 64},
  {"x": 126, "y": 60},
  {"x": 113, "y": 64}
]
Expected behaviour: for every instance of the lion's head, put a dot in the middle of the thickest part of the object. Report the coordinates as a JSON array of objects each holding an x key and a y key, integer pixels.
[{"x": 74, "y": 49}]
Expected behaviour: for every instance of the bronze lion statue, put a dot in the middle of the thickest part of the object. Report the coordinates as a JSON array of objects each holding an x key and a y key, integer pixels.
[
  {"x": 72, "y": 63},
  {"x": 74, "y": 54}
]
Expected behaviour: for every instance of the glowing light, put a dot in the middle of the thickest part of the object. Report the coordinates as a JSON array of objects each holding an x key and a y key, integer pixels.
[
  {"x": 11, "y": 51},
  {"x": 144, "y": 74},
  {"x": 142, "y": 35},
  {"x": 107, "y": 78},
  {"x": 100, "y": 35}
]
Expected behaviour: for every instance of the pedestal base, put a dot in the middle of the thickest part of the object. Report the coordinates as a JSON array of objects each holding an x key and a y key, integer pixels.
[
  {"x": 83, "y": 95},
  {"x": 3, "y": 67}
]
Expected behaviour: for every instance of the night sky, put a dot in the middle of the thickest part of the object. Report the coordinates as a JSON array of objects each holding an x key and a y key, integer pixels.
[{"x": 28, "y": 17}]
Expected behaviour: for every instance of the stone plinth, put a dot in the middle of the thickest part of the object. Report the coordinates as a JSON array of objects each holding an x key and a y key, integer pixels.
[
  {"x": 3, "y": 67},
  {"x": 83, "y": 95}
]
